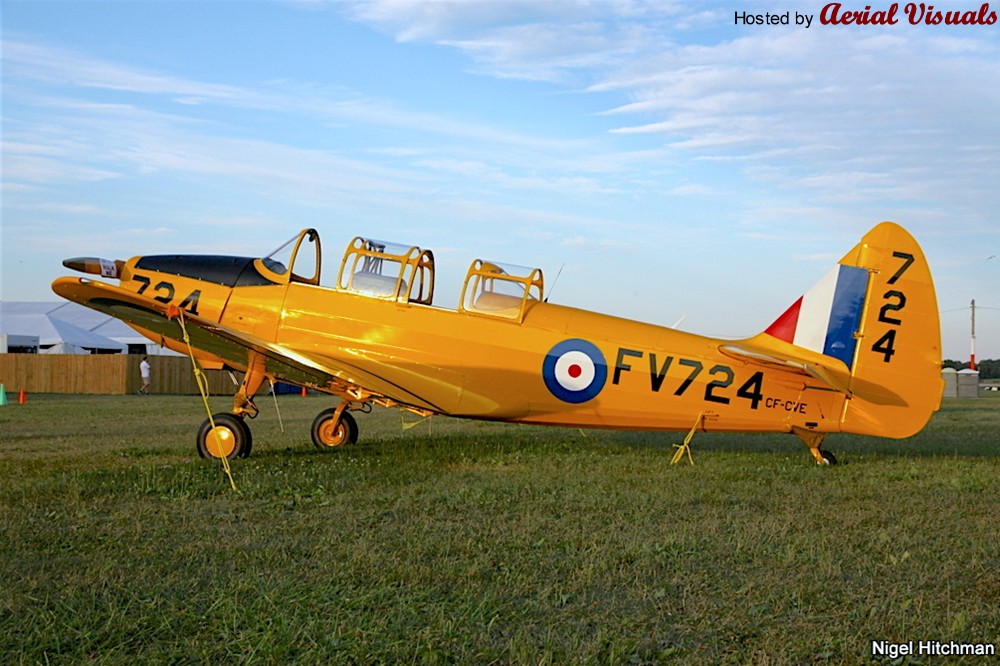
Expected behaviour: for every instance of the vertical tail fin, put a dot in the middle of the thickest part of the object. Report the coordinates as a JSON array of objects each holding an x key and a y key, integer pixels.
[
  {"x": 899, "y": 340},
  {"x": 876, "y": 313}
]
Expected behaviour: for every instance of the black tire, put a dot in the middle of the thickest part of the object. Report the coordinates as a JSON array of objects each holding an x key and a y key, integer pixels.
[
  {"x": 828, "y": 458},
  {"x": 326, "y": 437},
  {"x": 232, "y": 437},
  {"x": 248, "y": 441}
]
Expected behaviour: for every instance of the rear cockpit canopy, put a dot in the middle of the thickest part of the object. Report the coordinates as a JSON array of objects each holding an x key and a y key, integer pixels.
[
  {"x": 387, "y": 270},
  {"x": 501, "y": 290}
]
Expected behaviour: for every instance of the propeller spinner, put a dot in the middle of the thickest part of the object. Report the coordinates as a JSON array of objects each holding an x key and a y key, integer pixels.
[{"x": 96, "y": 266}]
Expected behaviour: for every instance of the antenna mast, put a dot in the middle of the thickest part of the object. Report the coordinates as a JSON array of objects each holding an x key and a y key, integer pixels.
[{"x": 972, "y": 358}]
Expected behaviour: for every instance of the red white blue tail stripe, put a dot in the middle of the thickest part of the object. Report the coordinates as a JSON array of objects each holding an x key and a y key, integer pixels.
[{"x": 827, "y": 316}]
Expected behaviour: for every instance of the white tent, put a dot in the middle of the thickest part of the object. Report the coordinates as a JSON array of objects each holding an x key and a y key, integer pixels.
[
  {"x": 56, "y": 336},
  {"x": 84, "y": 318}
]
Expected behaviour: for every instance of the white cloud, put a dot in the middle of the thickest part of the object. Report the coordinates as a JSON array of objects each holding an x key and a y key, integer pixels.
[
  {"x": 534, "y": 41},
  {"x": 26, "y": 169},
  {"x": 57, "y": 66},
  {"x": 691, "y": 189},
  {"x": 807, "y": 106}
]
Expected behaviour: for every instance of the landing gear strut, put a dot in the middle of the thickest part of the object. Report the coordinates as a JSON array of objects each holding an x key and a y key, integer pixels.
[
  {"x": 230, "y": 437},
  {"x": 227, "y": 435},
  {"x": 814, "y": 440},
  {"x": 334, "y": 427}
]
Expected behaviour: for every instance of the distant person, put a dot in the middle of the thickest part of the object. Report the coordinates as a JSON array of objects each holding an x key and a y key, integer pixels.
[{"x": 144, "y": 371}]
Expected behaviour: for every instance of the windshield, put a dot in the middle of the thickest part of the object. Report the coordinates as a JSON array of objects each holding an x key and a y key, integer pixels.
[
  {"x": 278, "y": 260},
  {"x": 299, "y": 258}
]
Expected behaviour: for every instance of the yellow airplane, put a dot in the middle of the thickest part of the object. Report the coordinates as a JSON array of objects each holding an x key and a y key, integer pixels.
[{"x": 859, "y": 352}]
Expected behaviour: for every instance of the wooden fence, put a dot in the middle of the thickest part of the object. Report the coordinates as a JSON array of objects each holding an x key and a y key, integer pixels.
[{"x": 110, "y": 374}]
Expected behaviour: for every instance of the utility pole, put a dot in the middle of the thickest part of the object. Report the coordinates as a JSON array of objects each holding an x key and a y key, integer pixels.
[{"x": 972, "y": 358}]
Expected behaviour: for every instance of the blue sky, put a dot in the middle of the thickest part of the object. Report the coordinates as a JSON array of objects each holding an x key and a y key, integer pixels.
[{"x": 670, "y": 162}]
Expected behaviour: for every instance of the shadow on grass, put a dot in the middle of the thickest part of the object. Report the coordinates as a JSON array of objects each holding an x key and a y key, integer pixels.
[{"x": 959, "y": 442}]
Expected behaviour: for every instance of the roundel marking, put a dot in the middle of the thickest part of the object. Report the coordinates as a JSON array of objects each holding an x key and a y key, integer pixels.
[{"x": 575, "y": 371}]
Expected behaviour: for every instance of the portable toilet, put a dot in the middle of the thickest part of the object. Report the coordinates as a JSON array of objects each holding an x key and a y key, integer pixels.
[
  {"x": 968, "y": 383},
  {"x": 950, "y": 377}
]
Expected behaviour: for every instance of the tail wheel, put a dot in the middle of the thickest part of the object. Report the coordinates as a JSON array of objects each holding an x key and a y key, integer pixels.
[
  {"x": 229, "y": 438},
  {"x": 328, "y": 433}
]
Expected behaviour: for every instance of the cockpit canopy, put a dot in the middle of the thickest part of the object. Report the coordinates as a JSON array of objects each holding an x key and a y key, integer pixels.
[
  {"x": 387, "y": 270},
  {"x": 501, "y": 290},
  {"x": 403, "y": 273}
]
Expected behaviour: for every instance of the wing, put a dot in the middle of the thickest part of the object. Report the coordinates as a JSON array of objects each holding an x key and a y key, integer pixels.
[{"x": 236, "y": 347}]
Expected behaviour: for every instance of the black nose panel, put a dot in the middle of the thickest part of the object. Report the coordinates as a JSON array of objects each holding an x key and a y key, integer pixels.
[{"x": 227, "y": 271}]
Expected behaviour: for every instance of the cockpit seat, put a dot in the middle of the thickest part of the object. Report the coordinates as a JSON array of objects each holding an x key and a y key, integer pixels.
[
  {"x": 373, "y": 284},
  {"x": 491, "y": 301}
]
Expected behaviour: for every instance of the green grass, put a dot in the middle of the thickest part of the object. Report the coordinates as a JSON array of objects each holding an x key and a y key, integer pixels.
[{"x": 466, "y": 542}]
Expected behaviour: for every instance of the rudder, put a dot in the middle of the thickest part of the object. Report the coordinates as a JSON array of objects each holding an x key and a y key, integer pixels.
[{"x": 896, "y": 382}]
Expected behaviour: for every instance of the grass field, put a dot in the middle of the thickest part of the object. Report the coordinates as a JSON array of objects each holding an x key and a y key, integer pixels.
[{"x": 465, "y": 542}]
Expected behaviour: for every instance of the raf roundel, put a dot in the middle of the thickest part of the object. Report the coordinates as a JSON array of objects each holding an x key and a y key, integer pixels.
[{"x": 575, "y": 371}]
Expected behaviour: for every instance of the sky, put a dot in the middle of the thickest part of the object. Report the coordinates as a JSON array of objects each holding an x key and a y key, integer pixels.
[{"x": 660, "y": 161}]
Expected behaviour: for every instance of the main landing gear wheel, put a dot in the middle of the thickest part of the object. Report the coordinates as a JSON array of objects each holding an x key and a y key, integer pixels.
[
  {"x": 814, "y": 440},
  {"x": 230, "y": 438},
  {"x": 328, "y": 434}
]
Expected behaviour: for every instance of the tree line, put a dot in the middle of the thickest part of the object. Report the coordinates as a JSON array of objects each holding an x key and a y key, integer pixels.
[{"x": 988, "y": 369}]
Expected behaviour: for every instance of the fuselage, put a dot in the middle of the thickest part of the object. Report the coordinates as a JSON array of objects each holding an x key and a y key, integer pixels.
[{"x": 556, "y": 365}]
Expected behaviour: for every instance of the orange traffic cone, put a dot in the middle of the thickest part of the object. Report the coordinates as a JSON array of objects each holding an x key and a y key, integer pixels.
[
  {"x": 21, "y": 398},
  {"x": 304, "y": 393}
]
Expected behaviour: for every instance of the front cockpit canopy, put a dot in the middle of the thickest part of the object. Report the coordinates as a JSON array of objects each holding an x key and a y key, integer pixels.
[{"x": 387, "y": 270}]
